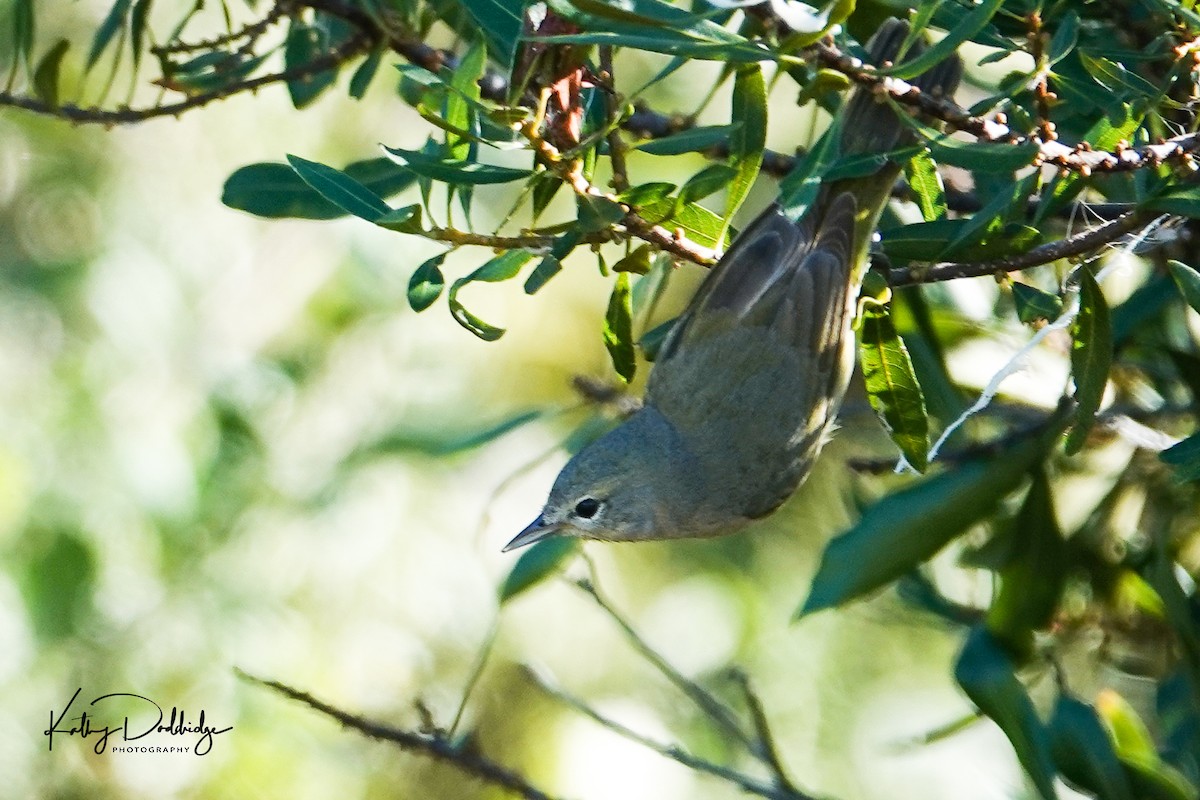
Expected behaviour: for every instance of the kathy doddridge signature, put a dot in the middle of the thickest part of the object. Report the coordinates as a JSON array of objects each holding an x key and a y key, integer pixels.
[{"x": 150, "y": 718}]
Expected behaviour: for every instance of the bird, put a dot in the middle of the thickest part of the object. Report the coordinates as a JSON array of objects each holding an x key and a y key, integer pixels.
[{"x": 746, "y": 386}]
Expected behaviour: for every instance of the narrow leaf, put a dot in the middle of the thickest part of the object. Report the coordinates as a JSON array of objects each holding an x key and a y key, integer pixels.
[
  {"x": 276, "y": 190},
  {"x": 456, "y": 172},
  {"x": 1091, "y": 357},
  {"x": 500, "y": 268},
  {"x": 365, "y": 73},
  {"x": 1185, "y": 458},
  {"x": 306, "y": 43},
  {"x": 114, "y": 21},
  {"x": 892, "y": 386},
  {"x": 539, "y": 562},
  {"x": 693, "y": 140},
  {"x": 971, "y": 24},
  {"x": 1084, "y": 753},
  {"x": 747, "y": 145},
  {"x": 1033, "y": 304},
  {"x": 618, "y": 329},
  {"x": 1188, "y": 281},
  {"x": 340, "y": 189},
  {"x": 546, "y": 269},
  {"x": 46, "y": 76},
  {"x": 988, "y": 676},
  {"x": 501, "y": 22},
  {"x": 926, "y": 183}
]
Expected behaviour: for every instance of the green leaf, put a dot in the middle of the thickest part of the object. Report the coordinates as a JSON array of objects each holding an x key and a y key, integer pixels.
[
  {"x": 24, "y": 27},
  {"x": 340, "y": 189},
  {"x": 988, "y": 676},
  {"x": 747, "y": 145},
  {"x": 502, "y": 22},
  {"x": 618, "y": 329},
  {"x": 501, "y": 268},
  {"x": 432, "y": 441},
  {"x": 712, "y": 178},
  {"x": 652, "y": 340},
  {"x": 697, "y": 223},
  {"x": 996, "y": 157},
  {"x": 647, "y": 193},
  {"x": 1034, "y": 304},
  {"x": 459, "y": 108},
  {"x": 276, "y": 190},
  {"x": 1084, "y": 753},
  {"x": 426, "y": 284},
  {"x": 799, "y": 188},
  {"x": 639, "y": 261},
  {"x": 540, "y": 561},
  {"x": 926, "y": 183},
  {"x": 1091, "y": 357},
  {"x": 306, "y": 43},
  {"x": 597, "y": 213},
  {"x": 892, "y": 386},
  {"x": 57, "y": 585},
  {"x": 692, "y": 140},
  {"x": 45, "y": 77},
  {"x": 403, "y": 220},
  {"x": 1116, "y": 78},
  {"x": 366, "y": 73},
  {"x": 137, "y": 29},
  {"x": 908, "y": 527},
  {"x": 1185, "y": 458},
  {"x": 1064, "y": 40},
  {"x": 114, "y": 21},
  {"x": 1188, "y": 281},
  {"x": 457, "y": 172},
  {"x": 546, "y": 269},
  {"x": 1032, "y": 580},
  {"x": 971, "y": 24},
  {"x": 1182, "y": 200},
  {"x": 649, "y": 16}
]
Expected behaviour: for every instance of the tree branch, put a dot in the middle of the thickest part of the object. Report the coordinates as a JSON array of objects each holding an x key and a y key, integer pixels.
[{"x": 432, "y": 746}]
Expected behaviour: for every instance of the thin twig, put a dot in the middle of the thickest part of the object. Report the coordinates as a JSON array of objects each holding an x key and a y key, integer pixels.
[
  {"x": 717, "y": 711},
  {"x": 769, "y": 753},
  {"x": 1076, "y": 245},
  {"x": 674, "y": 752},
  {"x": 616, "y": 147},
  {"x": 436, "y": 747}
]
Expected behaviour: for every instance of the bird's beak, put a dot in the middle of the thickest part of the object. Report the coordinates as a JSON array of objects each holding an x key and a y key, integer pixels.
[{"x": 536, "y": 531}]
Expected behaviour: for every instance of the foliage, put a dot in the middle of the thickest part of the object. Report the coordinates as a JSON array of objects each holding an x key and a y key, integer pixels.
[{"x": 1091, "y": 121}]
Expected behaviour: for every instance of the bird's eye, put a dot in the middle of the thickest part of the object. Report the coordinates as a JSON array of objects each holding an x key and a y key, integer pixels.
[{"x": 587, "y": 507}]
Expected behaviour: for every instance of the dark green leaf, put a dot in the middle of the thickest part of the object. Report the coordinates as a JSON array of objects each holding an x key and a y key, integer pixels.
[
  {"x": 546, "y": 185},
  {"x": 539, "y": 562},
  {"x": 996, "y": 157},
  {"x": 456, "y": 172},
  {"x": 114, "y": 21},
  {"x": 712, "y": 178},
  {"x": 306, "y": 43},
  {"x": 892, "y": 386},
  {"x": 366, "y": 73},
  {"x": 618, "y": 329},
  {"x": 1034, "y": 304},
  {"x": 546, "y": 269},
  {"x": 597, "y": 213},
  {"x": 799, "y": 188},
  {"x": 24, "y": 27},
  {"x": 1146, "y": 303},
  {"x": 45, "y": 77},
  {"x": 652, "y": 340},
  {"x": 638, "y": 261},
  {"x": 922, "y": 174},
  {"x": 403, "y": 220},
  {"x": 1185, "y": 458},
  {"x": 1116, "y": 78},
  {"x": 691, "y": 140},
  {"x": 1032, "y": 579},
  {"x": 909, "y": 526},
  {"x": 747, "y": 145},
  {"x": 1183, "y": 200},
  {"x": 971, "y": 24},
  {"x": 57, "y": 585},
  {"x": 988, "y": 676},
  {"x": 502, "y": 22},
  {"x": 1091, "y": 357},
  {"x": 275, "y": 190},
  {"x": 666, "y": 41},
  {"x": 137, "y": 29},
  {"x": 651, "y": 17},
  {"x": 646, "y": 193},
  {"x": 501, "y": 268},
  {"x": 340, "y": 189},
  {"x": 1083, "y": 752},
  {"x": 430, "y": 441},
  {"x": 1188, "y": 281},
  {"x": 1064, "y": 39},
  {"x": 426, "y": 284}
]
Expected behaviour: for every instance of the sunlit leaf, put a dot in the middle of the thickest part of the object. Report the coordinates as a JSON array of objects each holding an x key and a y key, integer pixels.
[
  {"x": 986, "y": 672},
  {"x": 712, "y": 178},
  {"x": 892, "y": 386},
  {"x": 926, "y": 183},
  {"x": 971, "y": 24},
  {"x": 1091, "y": 357},
  {"x": 618, "y": 329},
  {"x": 696, "y": 222},
  {"x": 46, "y": 76},
  {"x": 748, "y": 143}
]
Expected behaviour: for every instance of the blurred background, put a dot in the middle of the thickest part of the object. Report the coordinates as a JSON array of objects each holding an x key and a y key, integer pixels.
[{"x": 228, "y": 444}]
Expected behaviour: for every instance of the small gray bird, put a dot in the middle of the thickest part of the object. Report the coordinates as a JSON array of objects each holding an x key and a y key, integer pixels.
[{"x": 747, "y": 385}]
